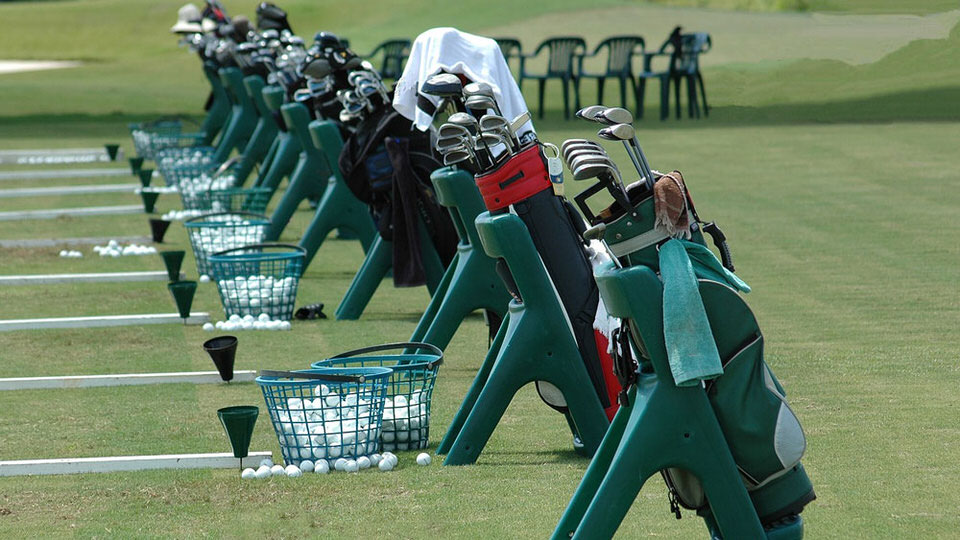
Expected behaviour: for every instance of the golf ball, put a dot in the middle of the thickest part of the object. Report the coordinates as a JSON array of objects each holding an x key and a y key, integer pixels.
[
  {"x": 263, "y": 472},
  {"x": 385, "y": 465},
  {"x": 351, "y": 466},
  {"x": 423, "y": 458},
  {"x": 266, "y": 461},
  {"x": 248, "y": 473},
  {"x": 374, "y": 459},
  {"x": 293, "y": 471},
  {"x": 363, "y": 462},
  {"x": 339, "y": 464},
  {"x": 322, "y": 467},
  {"x": 204, "y": 279},
  {"x": 277, "y": 470},
  {"x": 306, "y": 465},
  {"x": 208, "y": 327}
]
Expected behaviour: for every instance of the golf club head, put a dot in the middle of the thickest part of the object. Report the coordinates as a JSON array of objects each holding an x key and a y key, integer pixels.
[
  {"x": 445, "y": 144},
  {"x": 617, "y": 132},
  {"x": 466, "y": 121},
  {"x": 589, "y": 113},
  {"x": 480, "y": 103},
  {"x": 451, "y": 130},
  {"x": 479, "y": 88},
  {"x": 458, "y": 156},
  {"x": 593, "y": 169},
  {"x": 567, "y": 150},
  {"x": 614, "y": 115},
  {"x": 582, "y": 160},
  {"x": 443, "y": 85},
  {"x": 492, "y": 122}
]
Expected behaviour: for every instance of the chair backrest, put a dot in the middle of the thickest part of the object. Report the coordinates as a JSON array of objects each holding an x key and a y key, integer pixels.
[
  {"x": 620, "y": 53},
  {"x": 693, "y": 46},
  {"x": 510, "y": 47},
  {"x": 395, "y": 53},
  {"x": 561, "y": 53}
]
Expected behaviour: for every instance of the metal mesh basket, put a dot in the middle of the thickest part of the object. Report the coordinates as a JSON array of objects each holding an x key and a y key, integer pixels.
[
  {"x": 325, "y": 413},
  {"x": 149, "y": 143},
  {"x": 192, "y": 166},
  {"x": 227, "y": 200},
  {"x": 211, "y": 233},
  {"x": 406, "y": 416},
  {"x": 260, "y": 278}
]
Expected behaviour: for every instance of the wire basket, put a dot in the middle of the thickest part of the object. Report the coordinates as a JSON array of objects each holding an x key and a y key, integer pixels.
[
  {"x": 142, "y": 132},
  {"x": 148, "y": 144},
  {"x": 187, "y": 167},
  {"x": 406, "y": 415},
  {"x": 227, "y": 200},
  {"x": 211, "y": 233},
  {"x": 260, "y": 278},
  {"x": 325, "y": 413}
]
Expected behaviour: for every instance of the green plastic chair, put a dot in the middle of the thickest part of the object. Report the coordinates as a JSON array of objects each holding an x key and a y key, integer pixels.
[
  {"x": 395, "y": 53},
  {"x": 535, "y": 344},
  {"x": 219, "y": 109},
  {"x": 338, "y": 207},
  {"x": 471, "y": 281},
  {"x": 264, "y": 132},
  {"x": 285, "y": 150},
  {"x": 664, "y": 426},
  {"x": 683, "y": 65},
  {"x": 511, "y": 48},
  {"x": 619, "y": 64},
  {"x": 561, "y": 52},
  {"x": 243, "y": 119},
  {"x": 309, "y": 177}
]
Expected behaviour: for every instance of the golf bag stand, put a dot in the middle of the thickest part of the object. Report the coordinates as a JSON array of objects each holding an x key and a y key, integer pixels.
[
  {"x": 309, "y": 177},
  {"x": 338, "y": 208},
  {"x": 471, "y": 280},
  {"x": 285, "y": 150},
  {"x": 729, "y": 449},
  {"x": 243, "y": 119},
  {"x": 264, "y": 132},
  {"x": 219, "y": 109},
  {"x": 534, "y": 344}
]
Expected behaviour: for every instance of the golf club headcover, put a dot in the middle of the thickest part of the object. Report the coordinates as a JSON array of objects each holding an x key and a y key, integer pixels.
[
  {"x": 522, "y": 176},
  {"x": 670, "y": 199}
]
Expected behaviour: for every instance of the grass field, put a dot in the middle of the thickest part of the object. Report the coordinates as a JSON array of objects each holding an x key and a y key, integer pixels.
[{"x": 829, "y": 159}]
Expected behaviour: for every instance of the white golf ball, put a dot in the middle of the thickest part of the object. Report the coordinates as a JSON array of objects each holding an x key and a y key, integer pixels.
[
  {"x": 423, "y": 458},
  {"x": 263, "y": 472},
  {"x": 385, "y": 465},
  {"x": 339, "y": 464},
  {"x": 285, "y": 325},
  {"x": 266, "y": 461},
  {"x": 293, "y": 471},
  {"x": 277, "y": 470},
  {"x": 306, "y": 465},
  {"x": 351, "y": 466},
  {"x": 322, "y": 467},
  {"x": 248, "y": 473},
  {"x": 218, "y": 325},
  {"x": 207, "y": 327},
  {"x": 374, "y": 459},
  {"x": 363, "y": 462},
  {"x": 204, "y": 279}
]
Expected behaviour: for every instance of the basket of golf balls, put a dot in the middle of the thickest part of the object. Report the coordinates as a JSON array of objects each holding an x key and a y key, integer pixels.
[
  {"x": 194, "y": 165},
  {"x": 143, "y": 132},
  {"x": 226, "y": 200},
  {"x": 406, "y": 414},
  {"x": 210, "y": 233},
  {"x": 325, "y": 413},
  {"x": 260, "y": 278},
  {"x": 154, "y": 143}
]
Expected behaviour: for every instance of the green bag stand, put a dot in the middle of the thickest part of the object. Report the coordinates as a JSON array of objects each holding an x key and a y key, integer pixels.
[
  {"x": 219, "y": 109},
  {"x": 243, "y": 117},
  {"x": 536, "y": 345},
  {"x": 664, "y": 426},
  {"x": 309, "y": 177},
  {"x": 471, "y": 281},
  {"x": 338, "y": 207},
  {"x": 376, "y": 265},
  {"x": 285, "y": 150},
  {"x": 264, "y": 131}
]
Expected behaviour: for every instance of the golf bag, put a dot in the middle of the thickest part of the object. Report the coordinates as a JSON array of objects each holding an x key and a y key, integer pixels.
[
  {"x": 387, "y": 166},
  {"x": 523, "y": 184},
  {"x": 764, "y": 436}
]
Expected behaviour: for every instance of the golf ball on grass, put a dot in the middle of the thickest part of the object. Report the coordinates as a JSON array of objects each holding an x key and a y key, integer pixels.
[
  {"x": 277, "y": 470},
  {"x": 423, "y": 458},
  {"x": 339, "y": 464},
  {"x": 351, "y": 466},
  {"x": 306, "y": 465},
  {"x": 204, "y": 279},
  {"x": 208, "y": 327},
  {"x": 293, "y": 471},
  {"x": 248, "y": 473},
  {"x": 363, "y": 462},
  {"x": 263, "y": 472},
  {"x": 322, "y": 467},
  {"x": 385, "y": 465}
]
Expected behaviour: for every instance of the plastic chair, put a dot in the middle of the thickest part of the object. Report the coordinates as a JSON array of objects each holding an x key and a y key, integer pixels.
[
  {"x": 619, "y": 64},
  {"x": 534, "y": 344},
  {"x": 684, "y": 65},
  {"x": 471, "y": 281},
  {"x": 511, "y": 48},
  {"x": 560, "y": 54},
  {"x": 395, "y": 53}
]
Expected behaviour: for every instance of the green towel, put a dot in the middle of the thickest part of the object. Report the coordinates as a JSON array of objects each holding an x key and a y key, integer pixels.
[
  {"x": 691, "y": 350},
  {"x": 707, "y": 266}
]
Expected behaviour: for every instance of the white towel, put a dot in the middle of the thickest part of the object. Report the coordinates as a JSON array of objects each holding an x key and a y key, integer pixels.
[{"x": 452, "y": 51}]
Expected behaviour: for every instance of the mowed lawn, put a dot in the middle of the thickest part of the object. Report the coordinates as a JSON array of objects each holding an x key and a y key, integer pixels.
[{"x": 835, "y": 179}]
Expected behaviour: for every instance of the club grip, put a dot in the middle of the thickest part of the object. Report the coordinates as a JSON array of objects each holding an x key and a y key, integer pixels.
[{"x": 720, "y": 240}]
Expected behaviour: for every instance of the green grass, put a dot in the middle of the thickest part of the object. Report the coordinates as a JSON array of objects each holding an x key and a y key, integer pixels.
[{"x": 833, "y": 176}]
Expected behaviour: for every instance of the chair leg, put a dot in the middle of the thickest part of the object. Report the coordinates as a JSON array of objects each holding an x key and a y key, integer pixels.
[
  {"x": 623, "y": 92},
  {"x": 600, "y": 81},
  {"x": 576, "y": 93},
  {"x": 693, "y": 108},
  {"x": 664, "y": 97},
  {"x": 542, "y": 83},
  {"x": 676, "y": 94},
  {"x": 566, "y": 98},
  {"x": 639, "y": 94},
  {"x": 703, "y": 94}
]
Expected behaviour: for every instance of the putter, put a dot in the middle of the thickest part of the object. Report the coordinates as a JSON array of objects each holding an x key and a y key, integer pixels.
[{"x": 519, "y": 122}]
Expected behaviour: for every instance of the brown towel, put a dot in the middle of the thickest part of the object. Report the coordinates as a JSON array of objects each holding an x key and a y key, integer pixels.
[{"x": 670, "y": 203}]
